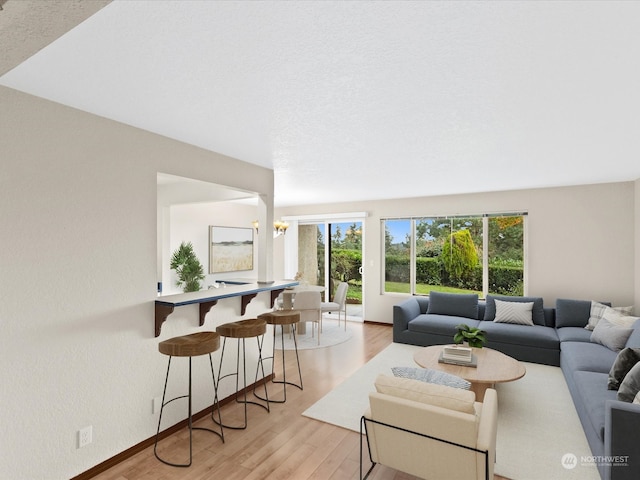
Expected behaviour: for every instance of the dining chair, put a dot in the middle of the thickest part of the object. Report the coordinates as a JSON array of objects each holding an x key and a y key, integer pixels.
[
  {"x": 308, "y": 304},
  {"x": 339, "y": 303}
]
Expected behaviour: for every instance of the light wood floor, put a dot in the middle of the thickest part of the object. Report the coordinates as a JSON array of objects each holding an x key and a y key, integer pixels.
[{"x": 278, "y": 445}]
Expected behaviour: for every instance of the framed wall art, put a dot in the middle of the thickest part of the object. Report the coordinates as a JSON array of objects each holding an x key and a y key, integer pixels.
[{"x": 230, "y": 249}]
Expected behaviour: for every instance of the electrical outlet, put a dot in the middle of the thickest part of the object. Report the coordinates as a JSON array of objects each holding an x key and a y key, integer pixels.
[
  {"x": 85, "y": 436},
  {"x": 156, "y": 405}
]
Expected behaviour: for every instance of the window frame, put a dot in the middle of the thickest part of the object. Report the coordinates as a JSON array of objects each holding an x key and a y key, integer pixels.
[{"x": 485, "y": 248}]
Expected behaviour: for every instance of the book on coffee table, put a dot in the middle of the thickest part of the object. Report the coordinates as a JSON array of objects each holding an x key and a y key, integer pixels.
[{"x": 455, "y": 355}]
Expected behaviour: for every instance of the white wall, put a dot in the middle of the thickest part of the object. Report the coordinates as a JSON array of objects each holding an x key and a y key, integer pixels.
[
  {"x": 582, "y": 240},
  {"x": 190, "y": 223},
  {"x": 78, "y": 280}
]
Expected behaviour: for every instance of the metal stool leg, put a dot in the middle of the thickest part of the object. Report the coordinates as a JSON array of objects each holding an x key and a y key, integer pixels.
[
  {"x": 284, "y": 381},
  {"x": 190, "y": 413},
  {"x": 245, "y": 401}
]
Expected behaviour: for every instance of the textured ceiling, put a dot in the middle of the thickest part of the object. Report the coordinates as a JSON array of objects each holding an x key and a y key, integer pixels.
[{"x": 360, "y": 100}]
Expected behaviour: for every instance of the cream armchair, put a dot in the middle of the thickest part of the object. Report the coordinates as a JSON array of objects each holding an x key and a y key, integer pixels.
[{"x": 430, "y": 431}]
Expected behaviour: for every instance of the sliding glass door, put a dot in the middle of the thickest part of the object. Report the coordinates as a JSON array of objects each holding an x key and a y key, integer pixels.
[{"x": 330, "y": 253}]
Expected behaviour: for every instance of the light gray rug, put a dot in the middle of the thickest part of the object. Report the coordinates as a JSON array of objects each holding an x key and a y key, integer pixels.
[
  {"x": 537, "y": 423},
  {"x": 332, "y": 334}
]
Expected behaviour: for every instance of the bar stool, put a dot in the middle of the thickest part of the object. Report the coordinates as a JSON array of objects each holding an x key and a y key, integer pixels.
[
  {"x": 282, "y": 318},
  {"x": 241, "y": 330},
  {"x": 202, "y": 343}
]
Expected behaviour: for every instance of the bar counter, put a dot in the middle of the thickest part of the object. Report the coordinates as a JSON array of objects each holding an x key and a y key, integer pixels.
[{"x": 208, "y": 298}]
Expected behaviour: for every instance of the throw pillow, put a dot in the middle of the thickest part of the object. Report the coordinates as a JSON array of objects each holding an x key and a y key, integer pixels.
[
  {"x": 618, "y": 318},
  {"x": 454, "y": 304},
  {"x": 625, "y": 360},
  {"x": 610, "y": 335},
  {"x": 636, "y": 399},
  {"x": 428, "y": 393},
  {"x": 431, "y": 376},
  {"x": 598, "y": 310},
  {"x": 537, "y": 313},
  {"x": 630, "y": 386},
  {"x": 519, "y": 313}
]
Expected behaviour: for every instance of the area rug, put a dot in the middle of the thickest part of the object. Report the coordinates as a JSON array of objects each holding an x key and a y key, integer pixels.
[
  {"x": 332, "y": 334},
  {"x": 537, "y": 423}
]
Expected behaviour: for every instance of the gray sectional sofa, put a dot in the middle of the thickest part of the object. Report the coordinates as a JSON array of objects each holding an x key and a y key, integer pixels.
[{"x": 557, "y": 337}]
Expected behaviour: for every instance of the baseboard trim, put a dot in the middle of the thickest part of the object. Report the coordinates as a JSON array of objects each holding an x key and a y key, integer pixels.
[
  {"x": 371, "y": 322},
  {"x": 130, "y": 452}
]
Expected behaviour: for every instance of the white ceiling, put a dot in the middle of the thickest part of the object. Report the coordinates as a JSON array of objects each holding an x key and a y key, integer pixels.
[{"x": 357, "y": 100}]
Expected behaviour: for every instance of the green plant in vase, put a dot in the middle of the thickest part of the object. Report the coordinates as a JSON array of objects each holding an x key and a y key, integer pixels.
[
  {"x": 473, "y": 336},
  {"x": 188, "y": 268}
]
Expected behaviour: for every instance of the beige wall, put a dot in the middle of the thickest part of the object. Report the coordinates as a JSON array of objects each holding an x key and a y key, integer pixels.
[
  {"x": 78, "y": 283},
  {"x": 637, "y": 246},
  {"x": 581, "y": 240}
]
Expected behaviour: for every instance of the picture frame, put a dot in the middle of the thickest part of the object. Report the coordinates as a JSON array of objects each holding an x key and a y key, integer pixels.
[{"x": 230, "y": 249}]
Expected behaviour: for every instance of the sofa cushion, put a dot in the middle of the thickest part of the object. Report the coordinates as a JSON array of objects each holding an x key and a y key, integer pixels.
[
  {"x": 537, "y": 312},
  {"x": 610, "y": 335},
  {"x": 572, "y": 313},
  {"x": 600, "y": 310},
  {"x": 625, "y": 360},
  {"x": 429, "y": 393},
  {"x": 573, "y": 334},
  {"x": 592, "y": 389},
  {"x": 455, "y": 304},
  {"x": 630, "y": 385},
  {"x": 439, "y": 324},
  {"x": 533, "y": 336},
  {"x": 586, "y": 356},
  {"x": 429, "y": 375},
  {"x": 518, "y": 313}
]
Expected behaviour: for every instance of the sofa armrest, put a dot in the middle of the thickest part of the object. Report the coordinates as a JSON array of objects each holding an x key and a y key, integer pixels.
[
  {"x": 488, "y": 426},
  {"x": 621, "y": 447},
  {"x": 403, "y": 313}
]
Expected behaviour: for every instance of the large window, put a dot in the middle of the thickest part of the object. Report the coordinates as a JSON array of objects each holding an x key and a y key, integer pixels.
[{"x": 448, "y": 254}]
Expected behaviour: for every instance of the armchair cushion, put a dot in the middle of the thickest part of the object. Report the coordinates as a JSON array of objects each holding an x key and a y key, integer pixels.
[{"x": 428, "y": 393}]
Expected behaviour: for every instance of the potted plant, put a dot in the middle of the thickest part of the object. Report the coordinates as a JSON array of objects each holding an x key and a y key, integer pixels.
[
  {"x": 188, "y": 268},
  {"x": 473, "y": 336}
]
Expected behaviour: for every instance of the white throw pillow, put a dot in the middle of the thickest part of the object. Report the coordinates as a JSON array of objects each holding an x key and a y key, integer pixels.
[
  {"x": 598, "y": 310},
  {"x": 619, "y": 319},
  {"x": 429, "y": 393},
  {"x": 519, "y": 313},
  {"x": 636, "y": 400}
]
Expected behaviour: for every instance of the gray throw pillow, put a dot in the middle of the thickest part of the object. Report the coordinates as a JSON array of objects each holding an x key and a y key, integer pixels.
[
  {"x": 454, "y": 304},
  {"x": 611, "y": 336},
  {"x": 625, "y": 361},
  {"x": 431, "y": 376},
  {"x": 630, "y": 386}
]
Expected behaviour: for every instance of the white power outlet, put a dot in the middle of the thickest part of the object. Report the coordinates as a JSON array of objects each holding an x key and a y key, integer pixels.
[
  {"x": 85, "y": 436},
  {"x": 156, "y": 405}
]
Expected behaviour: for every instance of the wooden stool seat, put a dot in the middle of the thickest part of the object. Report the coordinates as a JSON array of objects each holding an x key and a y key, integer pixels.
[
  {"x": 191, "y": 345},
  {"x": 280, "y": 317},
  {"x": 252, "y": 327}
]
